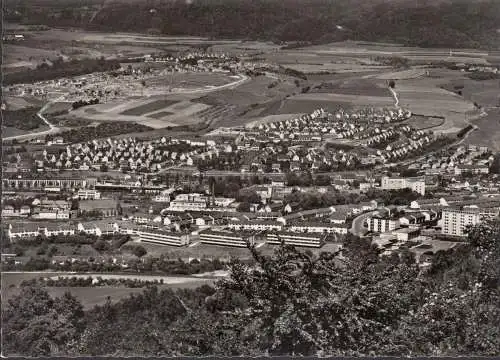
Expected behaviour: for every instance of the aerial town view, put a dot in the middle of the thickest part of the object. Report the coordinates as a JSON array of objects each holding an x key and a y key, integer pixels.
[{"x": 246, "y": 178}]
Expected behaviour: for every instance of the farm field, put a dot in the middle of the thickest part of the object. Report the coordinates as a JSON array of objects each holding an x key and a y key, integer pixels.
[
  {"x": 167, "y": 112},
  {"x": 488, "y": 133},
  {"x": 360, "y": 49},
  {"x": 160, "y": 114},
  {"x": 91, "y": 296},
  {"x": 484, "y": 93},
  {"x": 222, "y": 252},
  {"x": 356, "y": 100},
  {"x": 354, "y": 86},
  {"x": 148, "y": 107},
  {"x": 16, "y": 103},
  {"x": 24, "y": 56},
  {"x": 424, "y": 122},
  {"x": 8, "y": 131}
]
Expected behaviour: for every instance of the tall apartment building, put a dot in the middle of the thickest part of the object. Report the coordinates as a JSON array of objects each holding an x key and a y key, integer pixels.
[
  {"x": 415, "y": 184},
  {"x": 382, "y": 224},
  {"x": 455, "y": 221}
]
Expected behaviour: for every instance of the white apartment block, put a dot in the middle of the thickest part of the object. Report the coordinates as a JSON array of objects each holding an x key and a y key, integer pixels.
[
  {"x": 189, "y": 202},
  {"x": 379, "y": 224},
  {"x": 88, "y": 194},
  {"x": 296, "y": 239},
  {"x": 318, "y": 228},
  {"x": 225, "y": 238},
  {"x": 455, "y": 221},
  {"x": 416, "y": 185},
  {"x": 255, "y": 225},
  {"x": 162, "y": 237}
]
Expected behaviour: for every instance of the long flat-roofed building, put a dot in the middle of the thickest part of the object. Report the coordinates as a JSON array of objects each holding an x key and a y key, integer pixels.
[
  {"x": 161, "y": 237},
  {"x": 225, "y": 238},
  {"x": 415, "y": 184},
  {"x": 296, "y": 239}
]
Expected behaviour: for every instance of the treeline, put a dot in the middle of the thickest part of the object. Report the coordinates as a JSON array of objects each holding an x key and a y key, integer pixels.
[
  {"x": 60, "y": 69},
  {"x": 483, "y": 75},
  {"x": 97, "y": 281},
  {"x": 105, "y": 129},
  {"x": 455, "y": 23},
  {"x": 464, "y": 131},
  {"x": 314, "y": 200},
  {"x": 23, "y": 119},
  {"x": 78, "y": 104},
  {"x": 292, "y": 303}
]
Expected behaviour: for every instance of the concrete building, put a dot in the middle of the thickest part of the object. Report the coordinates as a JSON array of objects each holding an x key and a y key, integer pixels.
[
  {"x": 161, "y": 237},
  {"x": 258, "y": 225},
  {"x": 455, "y": 221},
  {"x": 382, "y": 224},
  {"x": 415, "y": 184},
  {"x": 296, "y": 239},
  {"x": 189, "y": 202},
  {"x": 225, "y": 238},
  {"x": 318, "y": 228},
  {"x": 88, "y": 194}
]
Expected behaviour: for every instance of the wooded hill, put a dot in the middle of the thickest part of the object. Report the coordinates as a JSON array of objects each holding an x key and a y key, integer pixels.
[{"x": 450, "y": 23}]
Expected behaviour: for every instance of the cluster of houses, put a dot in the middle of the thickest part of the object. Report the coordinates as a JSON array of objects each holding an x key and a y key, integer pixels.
[
  {"x": 320, "y": 124},
  {"x": 44, "y": 209},
  {"x": 108, "y": 86},
  {"x": 129, "y": 154},
  {"x": 470, "y": 159},
  {"x": 451, "y": 218}
]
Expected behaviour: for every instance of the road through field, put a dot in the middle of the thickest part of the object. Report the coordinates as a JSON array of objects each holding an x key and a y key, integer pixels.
[{"x": 52, "y": 129}]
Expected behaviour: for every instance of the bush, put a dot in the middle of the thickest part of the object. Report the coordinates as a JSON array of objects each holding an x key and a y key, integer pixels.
[{"x": 139, "y": 251}]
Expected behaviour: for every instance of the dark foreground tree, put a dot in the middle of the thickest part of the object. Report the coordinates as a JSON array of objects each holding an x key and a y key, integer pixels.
[
  {"x": 35, "y": 324},
  {"x": 353, "y": 302}
]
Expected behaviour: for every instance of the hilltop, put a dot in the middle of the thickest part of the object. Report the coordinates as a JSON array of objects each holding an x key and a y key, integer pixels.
[{"x": 452, "y": 23}]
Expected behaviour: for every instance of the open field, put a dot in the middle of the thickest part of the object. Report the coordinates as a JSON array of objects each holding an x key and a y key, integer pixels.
[
  {"x": 160, "y": 114},
  {"x": 488, "y": 133},
  {"x": 222, "y": 252},
  {"x": 24, "y": 56},
  {"x": 16, "y": 103},
  {"x": 334, "y": 67},
  {"x": 363, "y": 50},
  {"x": 148, "y": 107},
  {"x": 354, "y": 86},
  {"x": 357, "y": 100},
  {"x": 167, "y": 112},
  {"x": 484, "y": 93},
  {"x": 57, "y": 107},
  {"x": 424, "y": 122},
  {"x": 10, "y": 131},
  {"x": 91, "y": 296}
]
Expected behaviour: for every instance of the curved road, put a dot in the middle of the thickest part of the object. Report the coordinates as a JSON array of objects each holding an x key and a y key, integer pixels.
[
  {"x": 52, "y": 129},
  {"x": 358, "y": 227}
]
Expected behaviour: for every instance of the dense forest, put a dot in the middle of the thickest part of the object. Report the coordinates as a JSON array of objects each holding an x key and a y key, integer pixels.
[
  {"x": 291, "y": 303},
  {"x": 453, "y": 23}
]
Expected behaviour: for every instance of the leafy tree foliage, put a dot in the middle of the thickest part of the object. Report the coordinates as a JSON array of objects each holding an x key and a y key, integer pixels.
[
  {"x": 455, "y": 23},
  {"x": 350, "y": 303},
  {"x": 35, "y": 324}
]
